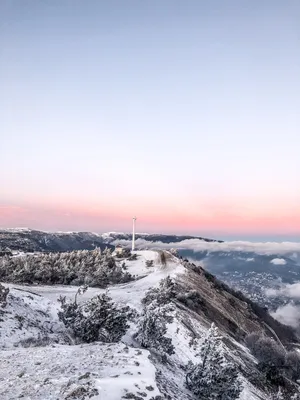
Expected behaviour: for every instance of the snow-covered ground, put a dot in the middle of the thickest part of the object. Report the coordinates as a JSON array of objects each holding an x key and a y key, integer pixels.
[
  {"x": 129, "y": 293},
  {"x": 28, "y": 316},
  {"x": 104, "y": 371}
]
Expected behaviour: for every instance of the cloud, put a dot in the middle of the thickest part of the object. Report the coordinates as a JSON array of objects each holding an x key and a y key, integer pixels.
[
  {"x": 278, "y": 261},
  {"x": 196, "y": 245},
  {"x": 288, "y": 315},
  {"x": 290, "y": 290}
]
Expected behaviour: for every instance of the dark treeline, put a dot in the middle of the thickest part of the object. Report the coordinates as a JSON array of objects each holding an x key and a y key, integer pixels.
[{"x": 84, "y": 267}]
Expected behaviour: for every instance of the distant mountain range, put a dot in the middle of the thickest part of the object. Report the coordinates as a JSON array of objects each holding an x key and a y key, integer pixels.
[{"x": 29, "y": 240}]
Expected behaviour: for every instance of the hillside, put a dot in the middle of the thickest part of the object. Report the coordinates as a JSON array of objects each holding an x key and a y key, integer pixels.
[
  {"x": 56, "y": 367},
  {"x": 29, "y": 240},
  {"x": 267, "y": 273}
]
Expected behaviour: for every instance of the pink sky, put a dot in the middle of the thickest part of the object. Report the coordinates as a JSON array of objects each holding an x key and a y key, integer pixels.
[
  {"x": 185, "y": 115},
  {"x": 154, "y": 218}
]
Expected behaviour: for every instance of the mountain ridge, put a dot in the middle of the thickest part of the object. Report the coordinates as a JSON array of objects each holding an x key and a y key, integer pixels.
[
  {"x": 196, "y": 300},
  {"x": 30, "y": 240}
]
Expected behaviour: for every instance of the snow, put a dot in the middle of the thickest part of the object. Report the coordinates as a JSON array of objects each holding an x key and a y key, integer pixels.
[
  {"x": 15, "y": 229},
  {"x": 110, "y": 370},
  {"x": 129, "y": 293},
  {"x": 28, "y": 316},
  {"x": 55, "y": 372}
]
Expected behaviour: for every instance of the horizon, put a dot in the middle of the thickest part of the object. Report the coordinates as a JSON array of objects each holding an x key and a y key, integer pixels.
[
  {"x": 186, "y": 115},
  {"x": 226, "y": 237}
]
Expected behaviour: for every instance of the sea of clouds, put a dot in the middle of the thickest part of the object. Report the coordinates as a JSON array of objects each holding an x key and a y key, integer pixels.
[{"x": 196, "y": 245}]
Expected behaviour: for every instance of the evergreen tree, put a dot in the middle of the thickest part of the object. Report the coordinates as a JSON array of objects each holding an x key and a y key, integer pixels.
[
  {"x": 157, "y": 313},
  {"x": 153, "y": 327},
  {"x": 213, "y": 377},
  {"x": 96, "y": 319},
  {"x": 76, "y": 267}
]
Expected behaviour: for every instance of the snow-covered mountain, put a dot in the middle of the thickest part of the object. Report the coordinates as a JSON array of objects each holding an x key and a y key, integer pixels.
[
  {"x": 268, "y": 273},
  {"x": 40, "y": 360},
  {"x": 29, "y": 240}
]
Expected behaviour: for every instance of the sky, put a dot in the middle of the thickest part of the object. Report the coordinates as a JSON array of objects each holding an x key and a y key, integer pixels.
[{"x": 183, "y": 113}]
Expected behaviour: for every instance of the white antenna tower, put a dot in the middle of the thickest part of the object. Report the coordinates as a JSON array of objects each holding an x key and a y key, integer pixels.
[{"x": 133, "y": 233}]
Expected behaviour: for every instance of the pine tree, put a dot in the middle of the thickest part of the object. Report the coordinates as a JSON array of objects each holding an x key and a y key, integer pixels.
[
  {"x": 153, "y": 327},
  {"x": 214, "y": 377},
  {"x": 157, "y": 313},
  {"x": 96, "y": 319}
]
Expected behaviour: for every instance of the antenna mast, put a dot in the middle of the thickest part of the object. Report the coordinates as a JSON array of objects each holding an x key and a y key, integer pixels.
[{"x": 133, "y": 233}]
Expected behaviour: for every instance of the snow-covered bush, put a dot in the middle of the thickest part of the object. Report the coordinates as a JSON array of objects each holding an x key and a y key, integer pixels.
[
  {"x": 292, "y": 365},
  {"x": 269, "y": 352},
  {"x": 163, "y": 294},
  {"x": 97, "y": 319},
  {"x": 152, "y": 329},
  {"x": 251, "y": 340},
  {"x": 214, "y": 377},
  {"x": 273, "y": 359},
  {"x": 192, "y": 299},
  {"x": 157, "y": 310},
  {"x": 40, "y": 341},
  {"x": 71, "y": 268},
  {"x": 149, "y": 263},
  {"x": 3, "y": 295},
  {"x": 270, "y": 355}
]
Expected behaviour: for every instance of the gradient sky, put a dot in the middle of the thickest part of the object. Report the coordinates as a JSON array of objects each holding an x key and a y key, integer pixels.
[{"x": 185, "y": 113}]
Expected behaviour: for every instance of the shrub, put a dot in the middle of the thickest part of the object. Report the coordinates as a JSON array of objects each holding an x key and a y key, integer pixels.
[
  {"x": 157, "y": 310},
  {"x": 213, "y": 377},
  {"x": 274, "y": 361},
  {"x": 152, "y": 329},
  {"x": 3, "y": 295},
  {"x": 292, "y": 364},
  {"x": 96, "y": 319},
  {"x": 269, "y": 352},
  {"x": 192, "y": 299},
  {"x": 40, "y": 341},
  {"x": 251, "y": 340},
  {"x": 149, "y": 263},
  {"x": 163, "y": 294}
]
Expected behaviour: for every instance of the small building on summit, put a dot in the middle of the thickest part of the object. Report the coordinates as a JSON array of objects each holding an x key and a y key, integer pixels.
[{"x": 121, "y": 251}]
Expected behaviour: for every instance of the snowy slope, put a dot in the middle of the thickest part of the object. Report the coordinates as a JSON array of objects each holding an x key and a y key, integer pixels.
[
  {"x": 106, "y": 371},
  {"x": 28, "y": 316}
]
